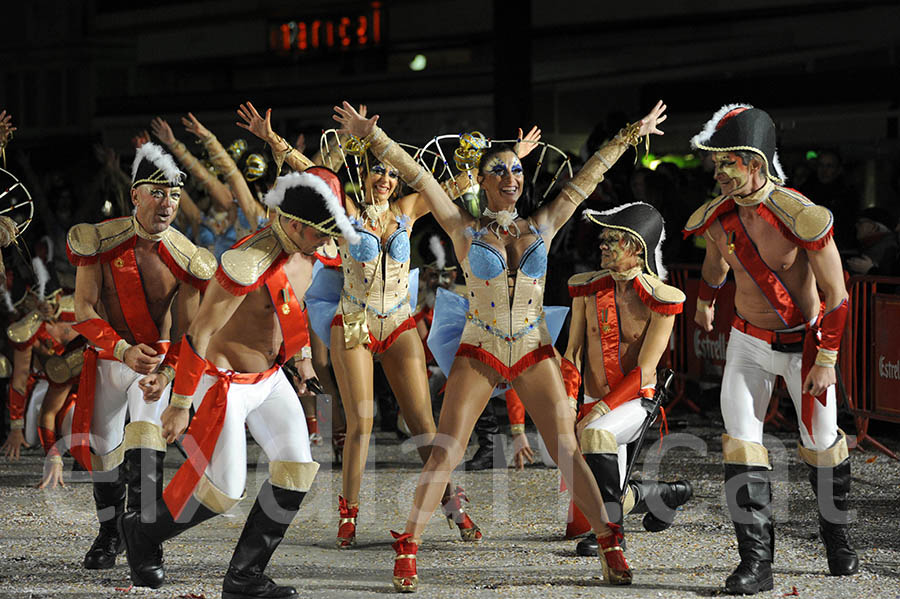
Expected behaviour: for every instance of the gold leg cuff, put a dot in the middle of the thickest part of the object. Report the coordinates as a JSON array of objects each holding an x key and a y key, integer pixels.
[
  {"x": 736, "y": 451},
  {"x": 212, "y": 497},
  {"x": 293, "y": 476},
  {"x": 144, "y": 435},
  {"x": 105, "y": 463},
  {"x": 597, "y": 440},
  {"x": 829, "y": 458},
  {"x": 628, "y": 502}
]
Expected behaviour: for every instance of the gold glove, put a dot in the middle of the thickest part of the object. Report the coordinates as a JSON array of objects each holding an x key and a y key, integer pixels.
[{"x": 385, "y": 150}]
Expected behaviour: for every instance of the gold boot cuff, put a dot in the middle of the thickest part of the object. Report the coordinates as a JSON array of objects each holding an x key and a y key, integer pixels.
[
  {"x": 736, "y": 451},
  {"x": 143, "y": 435},
  {"x": 106, "y": 462},
  {"x": 828, "y": 458},
  {"x": 597, "y": 440},
  {"x": 212, "y": 497},
  {"x": 628, "y": 502},
  {"x": 293, "y": 476}
]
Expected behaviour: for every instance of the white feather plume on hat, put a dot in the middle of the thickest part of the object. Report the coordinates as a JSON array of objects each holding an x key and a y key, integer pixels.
[
  {"x": 42, "y": 276},
  {"x": 159, "y": 158},
  {"x": 275, "y": 197},
  {"x": 437, "y": 248}
]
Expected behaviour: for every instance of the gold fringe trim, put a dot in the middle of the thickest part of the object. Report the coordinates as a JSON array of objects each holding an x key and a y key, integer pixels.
[
  {"x": 144, "y": 435},
  {"x": 293, "y": 476},
  {"x": 828, "y": 458},
  {"x": 736, "y": 451},
  {"x": 209, "y": 495},
  {"x": 597, "y": 440}
]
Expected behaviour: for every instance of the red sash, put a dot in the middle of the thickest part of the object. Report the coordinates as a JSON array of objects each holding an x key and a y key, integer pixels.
[
  {"x": 766, "y": 280},
  {"x": 132, "y": 300},
  {"x": 608, "y": 320},
  {"x": 203, "y": 433},
  {"x": 291, "y": 316}
]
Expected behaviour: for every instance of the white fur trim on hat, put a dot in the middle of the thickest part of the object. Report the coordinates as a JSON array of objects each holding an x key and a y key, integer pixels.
[
  {"x": 437, "y": 248},
  {"x": 662, "y": 273},
  {"x": 710, "y": 127},
  {"x": 7, "y": 300},
  {"x": 46, "y": 239},
  {"x": 776, "y": 164},
  {"x": 275, "y": 197},
  {"x": 42, "y": 277},
  {"x": 160, "y": 159}
]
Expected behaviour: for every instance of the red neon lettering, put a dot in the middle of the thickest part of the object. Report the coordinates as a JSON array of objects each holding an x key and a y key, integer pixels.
[
  {"x": 329, "y": 33},
  {"x": 302, "y": 37},
  {"x": 285, "y": 37},
  {"x": 316, "y": 25},
  {"x": 361, "y": 29},
  {"x": 342, "y": 31},
  {"x": 376, "y": 22}
]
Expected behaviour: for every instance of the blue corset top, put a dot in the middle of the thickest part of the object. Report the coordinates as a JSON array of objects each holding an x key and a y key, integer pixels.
[
  {"x": 369, "y": 247},
  {"x": 487, "y": 262}
]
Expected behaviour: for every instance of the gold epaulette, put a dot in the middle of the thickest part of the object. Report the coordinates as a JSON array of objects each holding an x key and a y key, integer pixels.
[
  {"x": 196, "y": 261},
  {"x": 245, "y": 264},
  {"x": 589, "y": 283},
  {"x": 86, "y": 243},
  {"x": 808, "y": 222},
  {"x": 61, "y": 369},
  {"x": 658, "y": 296},
  {"x": 22, "y": 332},
  {"x": 705, "y": 215},
  {"x": 5, "y": 367}
]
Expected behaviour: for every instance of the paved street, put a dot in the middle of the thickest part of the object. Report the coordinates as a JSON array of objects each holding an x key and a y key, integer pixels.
[{"x": 45, "y": 533}]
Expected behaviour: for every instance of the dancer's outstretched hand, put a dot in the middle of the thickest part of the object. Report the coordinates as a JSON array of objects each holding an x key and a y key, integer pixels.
[
  {"x": 192, "y": 125},
  {"x": 528, "y": 142},
  {"x": 161, "y": 129},
  {"x": 354, "y": 121},
  {"x": 254, "y": 123},
  {"x": 654, "y": 117}
]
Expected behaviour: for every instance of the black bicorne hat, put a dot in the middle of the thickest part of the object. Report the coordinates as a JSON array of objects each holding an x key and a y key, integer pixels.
[
  {"x": 741, "y": 127},
  {"x": 154, "y": 165},
  {"x": 644, "y": 222},
  {"x": 314, "y": 197}
]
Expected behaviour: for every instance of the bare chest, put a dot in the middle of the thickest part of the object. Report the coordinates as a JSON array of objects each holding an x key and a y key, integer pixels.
[{"x": 758, "y": 237}]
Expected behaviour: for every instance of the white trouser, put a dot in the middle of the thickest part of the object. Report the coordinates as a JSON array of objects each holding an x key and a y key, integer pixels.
[
  {"x": 33, "y": 411},
  {"x": 750, "y": 370},
  {"x": 272, "y": 412},
  {"x": 117, "y": 389},
  {"x": 624, "y": 423}
]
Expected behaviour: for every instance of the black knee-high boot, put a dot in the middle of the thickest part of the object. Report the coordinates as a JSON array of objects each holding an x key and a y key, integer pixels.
[
  {"x": 658, "y": 500},
  {"x": 145, "y": 481},
  {"x": 143, "y": 540},
  {"x": 749, "y": 495},
  {"x": 109, "y": 497},
  {"x": 842, "y": 559},
  {"x": 266, "y": 525},
  {"x": 605, "y": 468},
  {"x": 486, "y": 428}
]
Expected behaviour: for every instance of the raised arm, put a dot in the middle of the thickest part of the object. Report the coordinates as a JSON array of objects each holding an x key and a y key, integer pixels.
[
  {"x": 451, "y": 218},
  {"x": 555, "y": 214},
  {"x": 218, "y": 191},
  {"x": 281, "y": 150},
  {"x": 712, "y": 277},
  {"x": 229, "y": 170}
]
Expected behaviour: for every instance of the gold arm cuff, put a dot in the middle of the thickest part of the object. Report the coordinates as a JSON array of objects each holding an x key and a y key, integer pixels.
[
  {"x": 591, "y": 174},
  {"x": 826, "y": 357},
  {"x": 219, "y": 158},
  {"x": 54, "y": 459},
  {"x": 119, "y": 350},
  {"x": 517, "y": 429},
  {"x": 601, "y": 408},
  {"x": 180, "y": 401},
  {"x": 737, "y": 451},
  {"x": 168, "y": 372},
  {"x": 703, "y": 303},
  {"x": 17, "y": 424},
  {"x": 385, "y": 150},
  {"x": 630, "y": 134}
]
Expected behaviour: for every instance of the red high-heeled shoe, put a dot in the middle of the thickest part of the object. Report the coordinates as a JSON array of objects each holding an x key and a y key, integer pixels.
[
  {"x": 456, "y": 514},
  {"x": 346, "y": 536},
  {"x": 405, "y": 578},
  {"x": 615, "y": 568}
]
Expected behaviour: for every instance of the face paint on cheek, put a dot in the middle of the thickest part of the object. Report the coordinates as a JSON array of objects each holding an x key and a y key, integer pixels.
[{"x": 736, "y": 171}]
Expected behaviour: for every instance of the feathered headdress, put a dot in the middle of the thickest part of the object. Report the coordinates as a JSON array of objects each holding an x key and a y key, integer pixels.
[{"x": 152, "y": 164}]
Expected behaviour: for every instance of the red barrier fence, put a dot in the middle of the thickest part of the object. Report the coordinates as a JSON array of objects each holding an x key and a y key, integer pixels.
[{"x": 869, "y": 357}]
